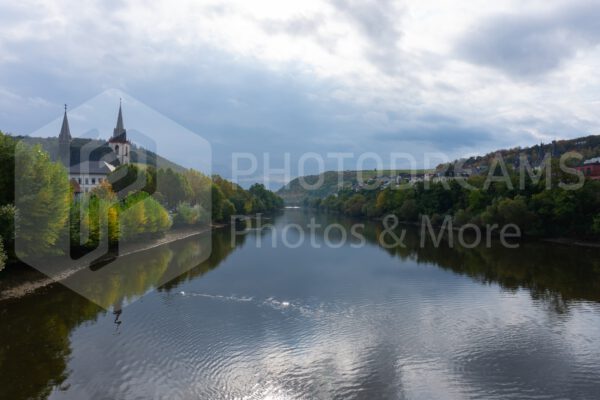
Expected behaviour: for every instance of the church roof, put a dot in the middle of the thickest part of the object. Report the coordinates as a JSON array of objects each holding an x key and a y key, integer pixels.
[
  {"x": 119, "y": 133},
  {"x": 65, "y": 132},
  {"x": 92, "y": 167}
]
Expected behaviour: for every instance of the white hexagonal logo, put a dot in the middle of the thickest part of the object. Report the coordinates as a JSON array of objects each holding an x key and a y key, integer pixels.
[{"x": 101, "y": 188}]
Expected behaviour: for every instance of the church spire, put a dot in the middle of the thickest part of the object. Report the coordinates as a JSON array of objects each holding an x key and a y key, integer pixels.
[
  {"x": 120, "y": 133},
  {"x": 65, "y": 132},
  {"x": 64, "y": 141}
]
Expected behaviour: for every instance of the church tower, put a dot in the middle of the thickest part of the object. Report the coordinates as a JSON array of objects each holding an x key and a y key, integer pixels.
[
  {"x": 118, "y": 142},
  {"x": 64, "y": 142}
]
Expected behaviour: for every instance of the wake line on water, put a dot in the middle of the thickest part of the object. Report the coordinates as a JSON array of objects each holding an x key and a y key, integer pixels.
[
  {"x": 218, "y": 297},
  {"x": 269, "y": 302}
]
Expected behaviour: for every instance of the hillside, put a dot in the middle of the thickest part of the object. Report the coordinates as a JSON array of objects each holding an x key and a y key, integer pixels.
[
  {"x": 99, "y": 150},
  {"x": 294, "y": 193},
  {"x": 588, "y": 147}
]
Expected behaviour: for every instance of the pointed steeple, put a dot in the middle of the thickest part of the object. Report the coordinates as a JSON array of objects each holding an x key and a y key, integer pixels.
[
  {"x": 64, "y": 141},
  {"x": 65, "y": 132},
  {"x": 119, "y": 133}
]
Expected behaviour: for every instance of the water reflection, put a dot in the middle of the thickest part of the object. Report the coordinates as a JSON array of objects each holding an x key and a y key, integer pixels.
[
  {"x": 550, "y": 272},
  {"x": 362, "y": 323},
  {"x": 35, "y": 329}
]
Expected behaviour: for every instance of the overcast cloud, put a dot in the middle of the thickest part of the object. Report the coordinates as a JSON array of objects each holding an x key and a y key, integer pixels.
[{"x": 462, "y": 76}]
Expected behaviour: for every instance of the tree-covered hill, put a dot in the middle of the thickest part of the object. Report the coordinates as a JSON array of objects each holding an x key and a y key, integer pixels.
[
  {"x": 299, "y": 189},
  {"x": 588, "y": 147}
]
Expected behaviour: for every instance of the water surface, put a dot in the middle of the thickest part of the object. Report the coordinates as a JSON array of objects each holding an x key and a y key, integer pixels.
[{"x": 316, "y": 322}]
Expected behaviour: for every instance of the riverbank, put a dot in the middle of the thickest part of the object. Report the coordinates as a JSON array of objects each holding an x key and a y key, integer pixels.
[
  {"x": 32, "y": 280},
  {"x": 564, "y": 241},
  {"x": 572, "y": 242}
]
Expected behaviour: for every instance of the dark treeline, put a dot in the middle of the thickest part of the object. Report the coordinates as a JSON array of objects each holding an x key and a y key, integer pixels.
[
  {"x": 543, "y": 207},
  {"x": 135, "y": 202}
]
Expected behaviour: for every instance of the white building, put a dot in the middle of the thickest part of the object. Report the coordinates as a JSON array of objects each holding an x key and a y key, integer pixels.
[{"x": 90, "y": 174}]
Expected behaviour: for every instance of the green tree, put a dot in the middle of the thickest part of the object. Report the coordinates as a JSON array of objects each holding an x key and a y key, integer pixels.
[
  {"x": 217, "y": 198},
  {"x": 7, "y": 172},
  {"x": 7, "y": 224},
  {"x": 354, "y": 205},
  {"x": 131, "y": 178},
  {"x": 409, "y": 210},
  {"x": 200, "y": 187},
  {"x": 228, "y": 210},
  {"x": 42, "y": 199},
  {"x": 173, "y": 187},
  {"x": 268, "y": 200}
]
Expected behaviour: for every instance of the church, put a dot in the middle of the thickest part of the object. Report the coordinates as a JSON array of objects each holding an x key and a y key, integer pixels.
[{"x": 89, "y": 166}]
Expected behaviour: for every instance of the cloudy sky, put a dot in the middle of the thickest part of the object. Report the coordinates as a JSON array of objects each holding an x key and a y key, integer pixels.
[{"x": 461, "y": 77}]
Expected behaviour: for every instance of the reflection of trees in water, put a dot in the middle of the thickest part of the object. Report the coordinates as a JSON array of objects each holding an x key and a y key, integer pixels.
[
  {"x": 35, "y": 329},
  {"x": 220, "y": 249},
  {"x": 34, "y": 340},
  {"x": 128, "y": 277},
  {"x": 554, "y": 274},
  {"x": 551, "y": 273}
]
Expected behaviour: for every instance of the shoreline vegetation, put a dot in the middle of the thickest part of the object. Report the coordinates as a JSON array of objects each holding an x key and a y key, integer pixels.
[
  {"x": 42, "y": 212},
  {"x": 554, "y": 205},
  {"x": 527, "y": 186},
  {"x": 581, "y": 222}
]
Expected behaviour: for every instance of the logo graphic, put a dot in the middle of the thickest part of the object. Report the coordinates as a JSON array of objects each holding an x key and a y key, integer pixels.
[{"x": 103, "y": 187}]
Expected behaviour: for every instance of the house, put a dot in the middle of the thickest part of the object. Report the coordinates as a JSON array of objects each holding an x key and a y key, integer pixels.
[
  {"x": 89, "y": 170},
  {"x": 90, "y": 174},
  {"x": 591, "y": 168}
]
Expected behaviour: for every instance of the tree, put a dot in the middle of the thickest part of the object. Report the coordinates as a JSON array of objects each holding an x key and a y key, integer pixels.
[
  {"x": 217, "y": 198},
  {"x": 514, "y": 211},
  {"x": 461, "y": 217},
  {"x": 354, "y": 205},
  {"x": 42, "y": 198},
  {"x": 94, "y": 218},
  {"x": 200, "y": 187},
  {"x": 268, "y": 200},
  {"x": 130, "y": 178},
  {"x": 7, "y": 172},
  {"x": 228, "y": 210},
  {"x": 173, "y": 187},
  {"x": 7, "y": 224},
  {"x": 141, "y": 215},
  {"x": 409, "y": 211}
]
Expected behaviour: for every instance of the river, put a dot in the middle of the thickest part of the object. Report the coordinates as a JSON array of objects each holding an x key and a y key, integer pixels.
[{"x": 306, "y": 320}]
